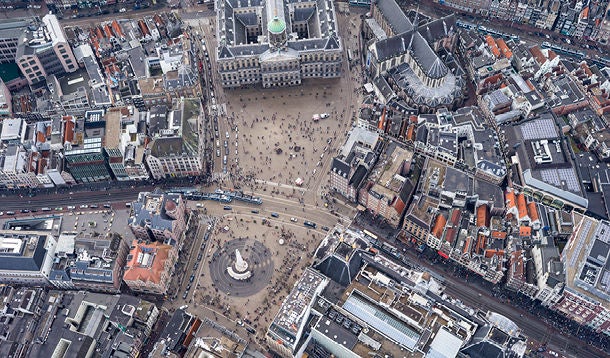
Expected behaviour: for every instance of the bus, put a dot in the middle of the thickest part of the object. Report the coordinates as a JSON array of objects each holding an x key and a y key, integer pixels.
[{"x": 310, "y": 224}]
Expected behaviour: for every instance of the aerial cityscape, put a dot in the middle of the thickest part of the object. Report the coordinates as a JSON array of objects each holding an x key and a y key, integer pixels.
[{"x": 305, "y": 178}]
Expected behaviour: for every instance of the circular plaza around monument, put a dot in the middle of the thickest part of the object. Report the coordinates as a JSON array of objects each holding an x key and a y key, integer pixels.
[{"x": 241, "y": 267}]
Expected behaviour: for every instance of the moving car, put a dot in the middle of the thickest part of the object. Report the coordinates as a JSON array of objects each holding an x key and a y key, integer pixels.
[
  {"x": 310, "y": 224},
  {"x": 275, "y": 215}
]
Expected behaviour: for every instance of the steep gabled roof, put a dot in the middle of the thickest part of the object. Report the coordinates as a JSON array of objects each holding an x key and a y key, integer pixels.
[
  {"x": 395, "y": 17},
  {"x": 332, "y": 43},
  {"x": 224, "y": 52},
  {"x": 521, "y": 206}
]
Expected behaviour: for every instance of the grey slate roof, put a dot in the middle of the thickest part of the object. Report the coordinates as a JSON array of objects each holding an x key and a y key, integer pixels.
[
  {"x": 156, "y": 220},
  {"x": 427, "y": 58},
  {"x": 332, "y": 43},
  {"x": 157, "y": 119},
  {"x": 308, "y": 44},
  {"x": 224, "y": 52},
  {"x": 358, "y": 176},
  {"x": 247, "y": 50},
  {"x": 438, "y": 28},
  {"x": 247, "y": 19},
  {"x": 340, "y": 167},
  {"x": 392, "y": 46},
  {"x": 394, "y": 15},
  {"x": 303, "y": 14}
]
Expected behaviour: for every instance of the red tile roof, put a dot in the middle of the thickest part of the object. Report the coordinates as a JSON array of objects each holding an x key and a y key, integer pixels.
[
  {"x": 117, "y": 29},
  {"x": 532, "y": 211},
  {"x": 137, "y": 270},
  {"x": 492, "y": 46},
  {"x": 482, "y": 219},
  {"x": 498, "y": 234},
  {"x": 521, "y": 205},
  {"x": 69, "y": 127},
  {"x": 525, "y": 231},
  {"x": 509, "y": 198},
  {"x": 439, "y": 226},
  {"x": 506, "y": 52}
]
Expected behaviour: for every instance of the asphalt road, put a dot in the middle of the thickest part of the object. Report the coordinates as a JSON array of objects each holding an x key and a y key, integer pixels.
[
  {"x": 476, "y": 297},
  {"x": 18, "y": 202}
]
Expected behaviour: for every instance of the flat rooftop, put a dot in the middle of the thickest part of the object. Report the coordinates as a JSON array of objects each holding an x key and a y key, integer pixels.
[
  {"x": 587, "y": 259},
  {"x": 293, "y": 313}
]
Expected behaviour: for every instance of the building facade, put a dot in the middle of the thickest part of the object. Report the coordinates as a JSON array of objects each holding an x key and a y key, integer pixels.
[
  {"x": 158, "y": 217},
  {"x": 45, "y": 51},
  {"x": 277, "y": 43},
  {"x": 150, "y": 267},
  {"x": 26, "y": 258}
]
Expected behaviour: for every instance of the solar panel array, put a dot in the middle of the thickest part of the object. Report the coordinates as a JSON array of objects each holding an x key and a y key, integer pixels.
[
  {"x": 539, "y": 129},
  {"x": 550, "y": 176},
  {"x": 571, "y": 180},
  {"x": 561, "y": 178}
]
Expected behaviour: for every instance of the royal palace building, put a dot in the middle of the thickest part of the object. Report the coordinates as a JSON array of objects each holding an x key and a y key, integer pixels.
[{"x": 276, "y": 42}]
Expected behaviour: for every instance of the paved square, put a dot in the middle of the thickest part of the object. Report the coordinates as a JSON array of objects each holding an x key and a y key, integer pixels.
[{"x": 288, "y": 247}]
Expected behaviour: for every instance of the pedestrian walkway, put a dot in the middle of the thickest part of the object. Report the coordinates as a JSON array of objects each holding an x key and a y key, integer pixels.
[
  {"x": 285, "y": 186},
  {"x": 220, "y": 176}
]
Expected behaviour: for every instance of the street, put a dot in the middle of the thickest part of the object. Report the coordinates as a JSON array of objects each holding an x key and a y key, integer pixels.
[
  {"x": 260, "y": 141},
  {"x": 533, "y": 327}
]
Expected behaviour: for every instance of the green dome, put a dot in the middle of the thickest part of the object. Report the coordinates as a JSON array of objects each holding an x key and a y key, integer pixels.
[{"x": 276, "y": 26}]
